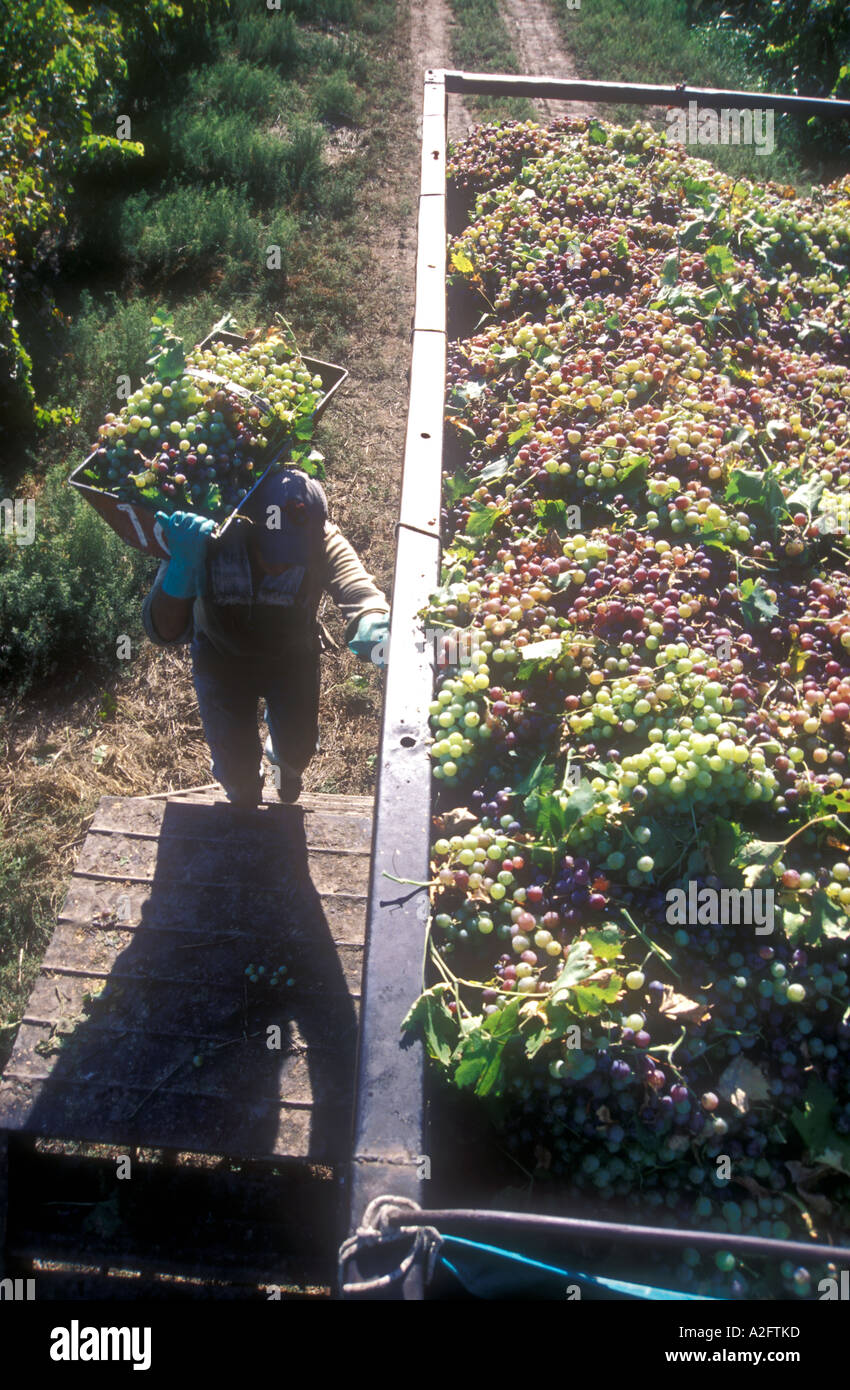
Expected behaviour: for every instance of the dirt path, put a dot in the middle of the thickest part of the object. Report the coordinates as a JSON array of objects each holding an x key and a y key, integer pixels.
[
  {"x": 537, "y": 43},
  {"x": 430, "y": 45}
]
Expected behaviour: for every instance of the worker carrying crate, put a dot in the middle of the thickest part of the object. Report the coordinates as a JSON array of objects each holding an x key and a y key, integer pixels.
[{"x": 247, "y": 600}]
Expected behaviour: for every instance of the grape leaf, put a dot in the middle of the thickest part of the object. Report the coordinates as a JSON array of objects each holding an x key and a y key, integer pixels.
[
  {"x": 692, "y": 231},
  {"x": 814, "y": 1125},
  {"x": 540, "y": 658},
  {"x": 430, "y": 1016},
  {"x": 520, "y": 432},
  {"x": 720, "y": 261},
  {"x": 546, "y": 808},
  {"x": 807, "y": 496},
  {"x": 553, "y": 513},
  {"x": 742, "y": 1084},
  {"x": 538, "y": 1036},
  {"x": 580, "y": 963},
  {"x": 482, "y": 519},
  {"x": 634, "y": 472},
  {"x": 482, "y": 1048},
  {"x": 581, "y": 802},
  {"x": 543, "y": 773},
  {"x": 679, "y": 1006},
  {"x": 754, "y": 856},
  {"x": 839, "y": 798},
  {"x": 591, "y": 997},
  {"x": 756, "y": 606},
  {"x": 458, "y": 486},
  {"x": 827, "y": 919},
  {"x": 762, "y": 489},
  {"x": 168, "y": 358},
  {"x": 606, "y": 942},
  {"x": 461, "y": 262},
  {"x": 715, "y": 538},
  {"x": 794, "y": 925},
  {"x": 597, "y": 134},
  {"x": 725, "y": 838},
  {"x": 497, "y": 469},
  {"x": 467, "y": 391},
  {"x": 670, "y": 269},
  {"x": 508, "y": 355},
  {"x": 546, "y": 1023}
]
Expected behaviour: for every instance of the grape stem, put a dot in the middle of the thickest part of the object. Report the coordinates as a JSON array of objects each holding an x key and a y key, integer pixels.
[{"x": 658, "y": 950}]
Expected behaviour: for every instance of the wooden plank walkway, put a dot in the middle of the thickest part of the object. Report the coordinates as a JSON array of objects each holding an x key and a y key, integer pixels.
[{"x": 169, "y": 902}]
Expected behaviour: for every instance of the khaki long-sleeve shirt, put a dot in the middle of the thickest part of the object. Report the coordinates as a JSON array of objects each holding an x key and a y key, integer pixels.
[{"x": 269, "y": 623}]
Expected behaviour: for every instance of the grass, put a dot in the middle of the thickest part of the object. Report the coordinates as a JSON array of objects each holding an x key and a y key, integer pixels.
[
  {"x": 186, "y": 229},
  {"x": 652, "y": 41},
  {"x": 338, "y": 101},
  {"x": 191, "y": 228},
  {"x": 481, "y": 43},
  {"x": 234, "y": 84},
  {"x": 270, "y": 40},
  {"x": 66, "y": 598}
]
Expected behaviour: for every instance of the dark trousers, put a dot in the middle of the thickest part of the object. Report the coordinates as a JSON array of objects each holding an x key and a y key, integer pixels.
[{"x": 228, "y": 693}]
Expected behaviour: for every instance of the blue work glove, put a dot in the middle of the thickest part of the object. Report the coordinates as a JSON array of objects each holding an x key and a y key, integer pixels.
[
  {"x": 186, "y": 536},
  {"x": 371, "y": 640}
]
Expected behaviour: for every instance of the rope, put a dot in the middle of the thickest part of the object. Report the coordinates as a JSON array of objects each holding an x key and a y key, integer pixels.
[
  {"x": 616, "y": 1285},
  {"x": 378, "y": 1229}
]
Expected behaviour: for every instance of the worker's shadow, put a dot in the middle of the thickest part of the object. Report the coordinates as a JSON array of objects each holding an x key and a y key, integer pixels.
[{"x": 198, "y": 1041}]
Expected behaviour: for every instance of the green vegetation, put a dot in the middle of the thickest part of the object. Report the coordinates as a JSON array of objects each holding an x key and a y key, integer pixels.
[
  {"x": 790, "y": 45},
  {"x": 481, "y": 43},
  {"x": 188, "y": 227},
  {"x": 67, "y": 597}
]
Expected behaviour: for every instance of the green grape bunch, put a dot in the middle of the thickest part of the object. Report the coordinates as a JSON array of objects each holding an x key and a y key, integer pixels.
[{"x": 198, "y": 436}]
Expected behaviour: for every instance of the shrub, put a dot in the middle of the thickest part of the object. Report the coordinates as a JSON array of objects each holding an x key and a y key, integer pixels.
[
  {"x": 69, "y": 595},
  {"x": 303, "y": 159},
  {"x": 269, "y": 39},
  {"x": 236, "y": 86},
  {"x": 338, "y": 101},
  {"x": 230, "y": 147},
  {"x": 105, "y": 338},
  {"x": 188, "y": 228},
  {"x": 339, "y": 193}
]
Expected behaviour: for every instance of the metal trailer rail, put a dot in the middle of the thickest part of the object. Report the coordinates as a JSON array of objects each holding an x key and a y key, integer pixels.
[{"x": 389, "y": 1150}]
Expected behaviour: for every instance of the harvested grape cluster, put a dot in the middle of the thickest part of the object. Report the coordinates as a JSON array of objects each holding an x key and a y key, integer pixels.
[
  {"x": 202, "y": 428},
  {"x": 641, "y": 867}
]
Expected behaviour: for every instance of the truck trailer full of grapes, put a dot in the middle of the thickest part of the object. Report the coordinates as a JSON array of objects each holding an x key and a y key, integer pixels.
[{"x": 610, "y": 886}]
